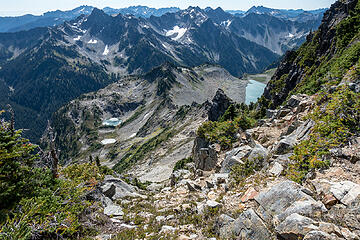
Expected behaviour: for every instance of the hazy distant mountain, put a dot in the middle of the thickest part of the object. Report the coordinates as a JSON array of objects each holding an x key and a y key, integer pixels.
[
  {"x": 26, "y": 22},
  {"x": 236, "y": 12},
  {"x": 141, "y": 11},
  {"x": 289, "y": 14},
  {"x": 278, "y": 34}
]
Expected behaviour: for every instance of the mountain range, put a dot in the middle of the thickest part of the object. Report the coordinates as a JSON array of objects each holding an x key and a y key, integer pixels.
[
  {"x": 290, "y": 14},
  {"x": 53, "y": 18},
  {"x": 43, "y": 68}
]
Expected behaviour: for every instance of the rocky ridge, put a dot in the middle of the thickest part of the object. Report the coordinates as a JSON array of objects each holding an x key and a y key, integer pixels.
[
  {"x": 313, "y": 59},
  {"x": 202, "y": 201},
  {"x": 158, "y": 113}
]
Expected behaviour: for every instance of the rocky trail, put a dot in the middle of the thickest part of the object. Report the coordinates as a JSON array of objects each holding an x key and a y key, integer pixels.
[{"x": 205, "y": 201}]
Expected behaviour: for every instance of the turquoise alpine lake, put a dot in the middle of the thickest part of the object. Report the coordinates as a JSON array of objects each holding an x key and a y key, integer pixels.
[
  {"x": 112, "y": 122},
  {"x": 254, "y": 90}
]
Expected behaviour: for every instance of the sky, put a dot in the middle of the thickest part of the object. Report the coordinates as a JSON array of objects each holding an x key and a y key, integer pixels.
[{"x": 37, "y": 7}]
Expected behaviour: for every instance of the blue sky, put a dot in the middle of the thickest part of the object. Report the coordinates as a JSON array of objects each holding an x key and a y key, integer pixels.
[{"x": 20, "y": 7}]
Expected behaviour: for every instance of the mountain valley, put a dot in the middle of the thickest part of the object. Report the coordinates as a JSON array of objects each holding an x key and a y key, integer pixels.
[{"x": 166, "y": 105}]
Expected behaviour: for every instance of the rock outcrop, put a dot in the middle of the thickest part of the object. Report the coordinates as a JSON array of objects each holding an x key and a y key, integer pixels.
[
  {"x": 219, "y": 104},
  {"x": 115, "y": 188},
  {"x": 204, "y": 155}
]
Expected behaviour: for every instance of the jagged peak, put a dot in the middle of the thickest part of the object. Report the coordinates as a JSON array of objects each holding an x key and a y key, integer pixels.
[
  {"x": 97, "y": 18},
  {"x": 83, "y": 7},
  {"x": 195, "y": 8},
  {"x": 213, "y": 9},
  {"x": 98, "y": 13},
  {"x": 193, "y": 11},
  {"x": 219, "y": 9}
]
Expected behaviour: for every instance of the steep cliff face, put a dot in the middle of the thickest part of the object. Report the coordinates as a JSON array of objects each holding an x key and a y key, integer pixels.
[{"x": 327, "y": 54}]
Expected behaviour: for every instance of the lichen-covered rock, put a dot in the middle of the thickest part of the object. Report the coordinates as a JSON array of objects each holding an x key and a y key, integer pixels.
[
  {"x": 345, "y": 191},
  {"x": 247, "y": 226},
  {"x": 205, "y": 156},
  {"x": 258, "y": 154},
  {"x": 288, "y": 142},
  {"x": 229, "y": 163},
  {"x": 287, "y": 198},
  {"x": 115, "y": 188},
  {"x": 310, "y": 208},
  {"x": 295, "y": 227},
  {"x": 345, "y": 216},
  {"x": 276, "y": 169},
  {"x": 113, "y": 210},
  {"x": 234, "y": 157},
  {"x": 295, "y": 100},
  {"x": 319, "y": 235},
  {"x": 223, "y": 224}
]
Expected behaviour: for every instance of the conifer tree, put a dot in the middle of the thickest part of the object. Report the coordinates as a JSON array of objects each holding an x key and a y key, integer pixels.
[{"x": 16, "y": 162}]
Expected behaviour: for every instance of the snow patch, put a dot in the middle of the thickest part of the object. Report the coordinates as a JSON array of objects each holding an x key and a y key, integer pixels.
[
  {"x": 148, "y": 114},
  {"x": 226, "y": 23},
  {"x": 132, "y": 135},
  {"x": 92, "y": 41},
  {"x": 106, "y": 50},
  {"x": 108, "y": 141},
  {"x": 291, "y": 35},
  {"x": 178, "y": 31},
  {"x": 77, "y": 38},
  {"x": 75, "y": 27}
]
